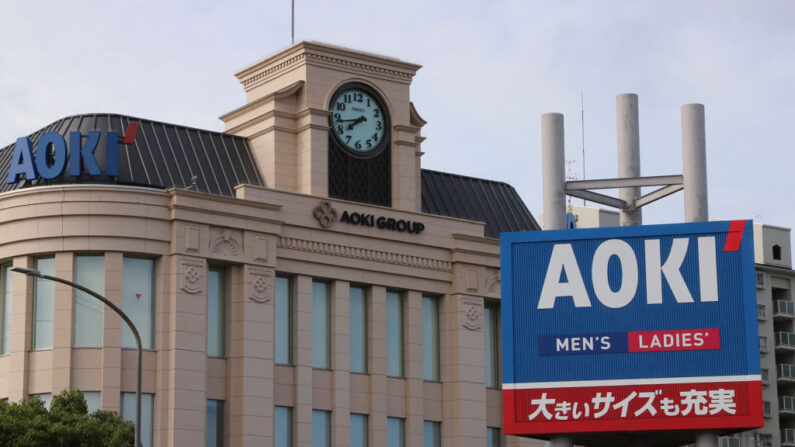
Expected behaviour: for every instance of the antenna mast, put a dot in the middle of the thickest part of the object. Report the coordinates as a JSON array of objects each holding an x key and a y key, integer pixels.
[
  {"x": 582, "y": 131},
  {"x": 292, "y": 23}
]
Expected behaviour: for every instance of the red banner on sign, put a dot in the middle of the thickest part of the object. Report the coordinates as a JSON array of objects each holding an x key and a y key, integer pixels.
[{"x": 674, "y": 340}]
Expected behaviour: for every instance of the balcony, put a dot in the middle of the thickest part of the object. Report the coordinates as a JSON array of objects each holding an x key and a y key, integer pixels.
[
  {"x": 788, "y": 437},
  {"x": 783, "y": 310},
  {"x": 785, "y": 341},
  {"x": 786, "y": 405},
  {"x": 785, "y": 373}
]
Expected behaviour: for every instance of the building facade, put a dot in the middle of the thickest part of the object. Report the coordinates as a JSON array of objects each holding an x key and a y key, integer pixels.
[{"x": 297, "y": 280}]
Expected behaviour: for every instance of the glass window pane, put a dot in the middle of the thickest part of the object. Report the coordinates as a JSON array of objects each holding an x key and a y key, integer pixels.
[
  {"x": 5, "y": 307},
  {"x": 214, "y": 436},
  {"x": 215, "y": 312},
  {"x": 493, "y": 437},
  {"x": 147, "y": 406},
  {"x": 321, "y": 428},
  {"x": 395, "y": 437},
  {"x": 92, "y": 399},
  {"x": 358, "y": 430},
  {"x": 491, "y": 320},
  {"x": 431, "y": 434},
  {"x": 89, "y": 273},
  {"x": 282, "y": 320},
  {"x": 43, "y": 305},
  {"x": 320, "y": 326},
  {"x": 358, "y": 324},
  {"x": 430, "y": 338},
  {"x": 45, "y": 397},
  {"x": 283, "y": 427},
  {"x": 138, "y": 302},
  {"x": 394, "y": 334}
]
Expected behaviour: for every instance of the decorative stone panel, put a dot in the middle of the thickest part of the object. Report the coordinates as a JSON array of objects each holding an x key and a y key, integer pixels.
[
  {"x": 259, "y": 281},
  {"x": 226, "y": 243},
  {"x": 192, "y": 272},
  {"x": 471, "y": 313}
]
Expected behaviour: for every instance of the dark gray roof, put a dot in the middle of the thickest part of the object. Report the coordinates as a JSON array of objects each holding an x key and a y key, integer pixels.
[
  {"x": 163, "y": 156},
  {"x": 495, "y": 203},
  {"x": 167, "y": 155}
]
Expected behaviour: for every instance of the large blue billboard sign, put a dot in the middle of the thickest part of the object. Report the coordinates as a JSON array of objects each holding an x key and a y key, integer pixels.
[{"x": 630, "y": 328}]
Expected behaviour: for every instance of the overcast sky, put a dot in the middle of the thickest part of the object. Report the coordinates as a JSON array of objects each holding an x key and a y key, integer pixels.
[{"x": 490, "y": 69}]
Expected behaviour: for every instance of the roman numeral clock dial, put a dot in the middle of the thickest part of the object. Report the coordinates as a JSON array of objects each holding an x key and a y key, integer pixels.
[{"x": 358, "y": 120}]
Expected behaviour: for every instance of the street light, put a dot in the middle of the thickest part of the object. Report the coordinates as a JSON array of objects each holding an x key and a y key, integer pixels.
[{"x": 38, "y": 274}]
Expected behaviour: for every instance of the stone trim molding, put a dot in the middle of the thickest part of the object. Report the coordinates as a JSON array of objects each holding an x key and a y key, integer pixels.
[
  {"x": 366, "y": 254},
  {"x": 271, "y": 70}
]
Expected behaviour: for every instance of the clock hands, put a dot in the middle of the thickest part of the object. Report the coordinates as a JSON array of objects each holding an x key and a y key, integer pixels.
[{"x": 355, "y": 121}]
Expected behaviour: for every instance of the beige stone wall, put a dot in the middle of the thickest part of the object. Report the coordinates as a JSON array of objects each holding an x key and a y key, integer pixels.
[{"x": 261, "y": 233}]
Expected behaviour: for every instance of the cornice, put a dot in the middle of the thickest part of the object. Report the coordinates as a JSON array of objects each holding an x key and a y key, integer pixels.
[
  {"x": 279, "y": 94},
  {"x": 365, "y": 254}
]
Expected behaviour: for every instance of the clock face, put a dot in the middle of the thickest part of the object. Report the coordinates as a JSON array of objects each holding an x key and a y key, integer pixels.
[{"x": 358, "y": 120}]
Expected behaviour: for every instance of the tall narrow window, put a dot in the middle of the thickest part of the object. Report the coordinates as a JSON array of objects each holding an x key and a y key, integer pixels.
[
  {"x": 321, "y": 428},
  {"x": 44, "y": 397},
  {"x": 358, "y": 430},
  {"x": 282, "y": 317},
  {"x": 358, "y": 325},
  {"x": 5, "y": 309},
  {"x": 395, "y": 432},
  {"x": 92, "y": 399},
  {"x": 147, "y": 407},
  {"x": 430, "y": 338},
  {"x": 214, "y": 436},
  {"x": 283, "y": 427},
  {"x": 215, "y": 312},
  {"x": 394, "y": 334},
  {"x": 491, "y": 319},
  {"x": 138, "y": 302},
  {"x": 432, "y": 434},
  {"x": 43, "y": 305},
  {"x": 90, "y": 273},
  {"x": 492, "y": 437},
  {"x": 321, "y": 336}
]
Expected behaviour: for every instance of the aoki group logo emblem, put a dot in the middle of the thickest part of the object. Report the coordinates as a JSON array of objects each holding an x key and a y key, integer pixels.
[{"x": 325, "y": 214}]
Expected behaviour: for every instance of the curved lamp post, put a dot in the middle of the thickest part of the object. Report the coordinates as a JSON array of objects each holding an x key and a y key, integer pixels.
[{"x": 38, "y": 274}]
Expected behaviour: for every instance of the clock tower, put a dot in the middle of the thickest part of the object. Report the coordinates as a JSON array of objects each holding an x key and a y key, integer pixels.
[{"x": 333, "y": 122}]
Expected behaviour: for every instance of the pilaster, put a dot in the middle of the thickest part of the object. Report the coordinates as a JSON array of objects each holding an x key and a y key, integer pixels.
[
  {"x": 21, "y": 334},
  {"x": 63, "y": 324},
  {"x": 302, "y": 337},
  {"x": 340, "y": 363},
  {"x": 111, "y": 332},
  {"x": 376, "y": 314},
  {"x": 414, "y": 368}
]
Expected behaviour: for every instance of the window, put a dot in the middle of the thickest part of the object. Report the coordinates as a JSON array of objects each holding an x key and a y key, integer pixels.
[
  {"x": 147, "y": 406},
  {"x": 358, "y": 325},
  {"x": 777, "y": 252},
  {"x": 92, "y": 399},
  {"x": 44, "y": 397},
  {"x": 430, "y": 338},
  {"x": 394, "y": 334},
  {"x": 283, "y": 427},
  {"x": 432, "y": 434},
  {"x": 89, "y": 273},
  {"x": 760, "y": 280},
  {"x": 395, "y": 434},
  {"x": 43, "y": 305},
  {"x": 358, "y": 430},
  {"x": 765, "y": 376},
  {"x": 215, "y": 423},
  {"x": 491, "y": 319},
  {"x": 216, "y": 302},
  {"x": 321, "y": 428},
  {"x": 281, "y": 322},
  {"x": 761, "y": 313},
  {"x": 766, "y": 409},
  {"x": 492, "y": 437},
  {"x": 762, "y": 344},
  {"x": 5, "y": 309},
  {"x": 138, "y": 284},
  {"x": 321, "y": 336}
]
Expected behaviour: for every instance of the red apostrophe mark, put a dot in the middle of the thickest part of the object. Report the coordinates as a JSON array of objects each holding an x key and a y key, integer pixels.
[
  {"x": 735, "y": 235},
  {"x": 130, "y": 133},
  {"x": 138, "y": 296}
]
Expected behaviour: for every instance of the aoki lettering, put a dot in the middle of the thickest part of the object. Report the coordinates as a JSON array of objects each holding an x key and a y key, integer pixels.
[
  {"x": 562, "y": 263},
  {"x": 52, "y": 154},
  {"x": 384, "y": 223}
]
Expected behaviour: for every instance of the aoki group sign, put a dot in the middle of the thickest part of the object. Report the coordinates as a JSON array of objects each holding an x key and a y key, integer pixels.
[{"x": 630, "y": 328}]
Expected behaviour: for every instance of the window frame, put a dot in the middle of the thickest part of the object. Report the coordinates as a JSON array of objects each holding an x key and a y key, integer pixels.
[
  {"x": 435, "y": 372},
  {"x": 401, "y": 337},
  {"x": 90, "y": 299},
  {"x": 6, "y": 307},
  {"x": 153, "y": 310},
  {"x": 492, "y": 311},
  {"x": 289, "y": 321},
  {"x": 37, "y": 283},
  {"x": 327, "y": 364},
  {"x": 365, "y": 329},
  {"x": 222, "y": 272}
]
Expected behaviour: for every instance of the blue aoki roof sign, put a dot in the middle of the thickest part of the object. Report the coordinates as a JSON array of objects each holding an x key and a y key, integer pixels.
[
  {"x": 641, "y": 328},
  {"x": 51, "y": 155}
]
